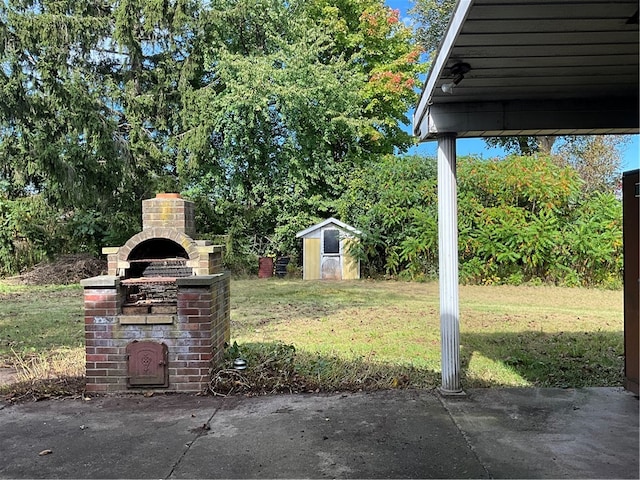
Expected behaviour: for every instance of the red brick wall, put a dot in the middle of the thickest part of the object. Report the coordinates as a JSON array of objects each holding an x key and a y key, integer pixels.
[
  {"x": 105, "y": 360},
  {"x": 195, "y": 338}
]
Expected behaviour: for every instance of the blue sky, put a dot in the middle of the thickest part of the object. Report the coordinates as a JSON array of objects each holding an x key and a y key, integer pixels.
[{"x": 476, "y": 146}]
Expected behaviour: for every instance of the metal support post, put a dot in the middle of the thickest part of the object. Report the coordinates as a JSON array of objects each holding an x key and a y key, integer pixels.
[{"x": 448, "y": 264}]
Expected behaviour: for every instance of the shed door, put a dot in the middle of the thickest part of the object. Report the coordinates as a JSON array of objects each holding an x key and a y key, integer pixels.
[{"x": 330, "y": 261}]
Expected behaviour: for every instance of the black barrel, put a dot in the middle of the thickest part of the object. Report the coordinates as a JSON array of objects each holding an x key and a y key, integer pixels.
[{"x": 281, "y": 266}]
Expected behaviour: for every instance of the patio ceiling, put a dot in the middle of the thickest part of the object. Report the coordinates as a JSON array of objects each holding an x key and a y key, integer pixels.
[{"x": 538, "y": 67}]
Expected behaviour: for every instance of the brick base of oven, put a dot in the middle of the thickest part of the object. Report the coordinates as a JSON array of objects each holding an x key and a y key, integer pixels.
[{"x": 194, "y": 337}]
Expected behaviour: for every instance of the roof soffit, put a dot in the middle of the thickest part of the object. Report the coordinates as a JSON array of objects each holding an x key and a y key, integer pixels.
[{"x": 534, "y": 53}]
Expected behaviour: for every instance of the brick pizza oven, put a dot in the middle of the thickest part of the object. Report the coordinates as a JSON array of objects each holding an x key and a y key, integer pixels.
[{"x": 160, "y": 319}]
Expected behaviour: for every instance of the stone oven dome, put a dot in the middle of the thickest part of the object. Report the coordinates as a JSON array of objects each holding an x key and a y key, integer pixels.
[{"x": 168, "y": 224}]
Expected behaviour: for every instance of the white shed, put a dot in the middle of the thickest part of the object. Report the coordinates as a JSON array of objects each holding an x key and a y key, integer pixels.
[{"x": 325, "y": 251}]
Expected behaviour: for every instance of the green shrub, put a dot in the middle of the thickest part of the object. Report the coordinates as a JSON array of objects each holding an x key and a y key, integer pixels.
[
  {"x": 521, "y": 219},
  {"x": 393, "y": 202},
  {"x": 30, "y": 231}
]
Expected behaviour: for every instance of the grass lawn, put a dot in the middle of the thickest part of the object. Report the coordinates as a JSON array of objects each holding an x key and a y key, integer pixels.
[
  {"x": 545, "y": 336},
  {"x": 360, "y": 334},
  {"x": 39, "y": 319}
]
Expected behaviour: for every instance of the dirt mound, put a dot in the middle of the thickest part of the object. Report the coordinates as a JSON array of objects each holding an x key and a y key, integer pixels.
[{"x": 65, "y": 270}]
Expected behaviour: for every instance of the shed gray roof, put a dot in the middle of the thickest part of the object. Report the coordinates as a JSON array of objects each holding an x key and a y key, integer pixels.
[
  {"x": 326, "y": 222},
  {"x": 538, "y": 67}
]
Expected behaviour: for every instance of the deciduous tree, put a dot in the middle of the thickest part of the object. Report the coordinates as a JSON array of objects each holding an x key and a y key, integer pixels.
[
  {"x": 295, "y": 95},
  {"x": 597, "y": 159},
  {"x": 259, "y": 109}
]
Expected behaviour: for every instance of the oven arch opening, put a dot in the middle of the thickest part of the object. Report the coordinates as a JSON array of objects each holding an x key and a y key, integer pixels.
[
  {"x": 158, "y": 248},
  {"x": 158, "y": 257}
]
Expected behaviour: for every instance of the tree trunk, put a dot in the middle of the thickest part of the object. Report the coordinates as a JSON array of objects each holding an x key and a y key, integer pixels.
[{"x": 545, "y": 143}]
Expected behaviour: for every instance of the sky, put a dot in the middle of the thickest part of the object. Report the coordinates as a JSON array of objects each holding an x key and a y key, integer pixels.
[{"x": 477, "y": 146}]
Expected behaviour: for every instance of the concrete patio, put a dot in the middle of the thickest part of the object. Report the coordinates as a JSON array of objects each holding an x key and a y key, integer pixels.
[{"x": 489, "y": 433}]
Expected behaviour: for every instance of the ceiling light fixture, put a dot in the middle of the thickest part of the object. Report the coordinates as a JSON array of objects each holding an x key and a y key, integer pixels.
[{"x": 458, "y": 70}]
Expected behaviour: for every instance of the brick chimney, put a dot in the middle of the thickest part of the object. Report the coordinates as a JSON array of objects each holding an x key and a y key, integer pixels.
[{"x": 169, "y": 210}]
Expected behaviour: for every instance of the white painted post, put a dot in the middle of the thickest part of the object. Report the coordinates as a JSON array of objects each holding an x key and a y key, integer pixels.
[{"x": 448, "y": 264}]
